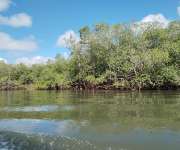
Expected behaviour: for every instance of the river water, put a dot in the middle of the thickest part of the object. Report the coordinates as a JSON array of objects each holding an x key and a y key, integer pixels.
[{"x": 103, "y": 120}]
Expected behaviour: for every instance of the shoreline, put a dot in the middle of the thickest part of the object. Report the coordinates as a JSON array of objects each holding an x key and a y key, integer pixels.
[{"x": 100, "y": 88}]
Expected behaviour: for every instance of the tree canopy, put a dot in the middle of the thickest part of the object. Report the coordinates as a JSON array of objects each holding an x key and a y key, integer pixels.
[{"x": 107, "y": 57}]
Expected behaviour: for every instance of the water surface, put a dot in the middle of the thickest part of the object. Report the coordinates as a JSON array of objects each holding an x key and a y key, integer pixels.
[{"x": 103, "y": 120}]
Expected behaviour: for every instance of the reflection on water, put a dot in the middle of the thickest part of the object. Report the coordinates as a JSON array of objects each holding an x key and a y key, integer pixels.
[
  {"x": 90, "y": 120},
  {"x": 46, "y": 127},
  {"x": 9, "y": 140},
  {"x": 43, "y": 108},
  {"x": 30, "y": 109}
]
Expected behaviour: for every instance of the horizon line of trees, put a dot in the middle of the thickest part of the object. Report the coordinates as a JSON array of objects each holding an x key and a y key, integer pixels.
[{"x": 107, "y": 57}]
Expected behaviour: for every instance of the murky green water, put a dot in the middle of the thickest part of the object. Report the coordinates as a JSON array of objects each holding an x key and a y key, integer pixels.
[{"x": 90, "y": 121}]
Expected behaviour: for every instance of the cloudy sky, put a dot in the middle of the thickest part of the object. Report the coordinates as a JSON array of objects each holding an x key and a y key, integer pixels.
[{"x": 33, "y": 31}]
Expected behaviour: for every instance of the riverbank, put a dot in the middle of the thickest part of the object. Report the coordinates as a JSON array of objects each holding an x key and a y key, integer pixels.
[{"x": 16, "y": 86}]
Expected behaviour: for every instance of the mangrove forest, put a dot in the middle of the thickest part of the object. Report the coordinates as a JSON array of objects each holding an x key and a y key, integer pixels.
[{"x": 121, "y": 56}]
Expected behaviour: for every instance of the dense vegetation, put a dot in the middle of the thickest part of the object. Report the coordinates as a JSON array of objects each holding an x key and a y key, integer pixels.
[{"x": 126, "y": 57}]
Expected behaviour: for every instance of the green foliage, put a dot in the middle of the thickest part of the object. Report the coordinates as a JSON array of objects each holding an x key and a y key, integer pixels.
[
  {"x": 116, "y": 56},
  {"x": 170, "y": 76},
  {"x": 91, "y": 80}
]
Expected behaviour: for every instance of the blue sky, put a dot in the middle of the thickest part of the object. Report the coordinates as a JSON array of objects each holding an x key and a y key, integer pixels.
[{"x": 30, "y": 28}]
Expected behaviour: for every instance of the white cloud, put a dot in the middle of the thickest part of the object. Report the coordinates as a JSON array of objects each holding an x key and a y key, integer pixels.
[
  {"x": 33, "y": 60},
  {"x": 8, "y": 43},
  {"x": 66, "y": 55},
  {"x": 4, "y": 4},
  {"x": 68, "y": 39},
  {"x": 4, "y": 60},
  {"x": 17, "y": 20},
  {"x": 178, "y": 10},
  {"x": 158, "y": 19},
  {"x": 154, "y": 20}
]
